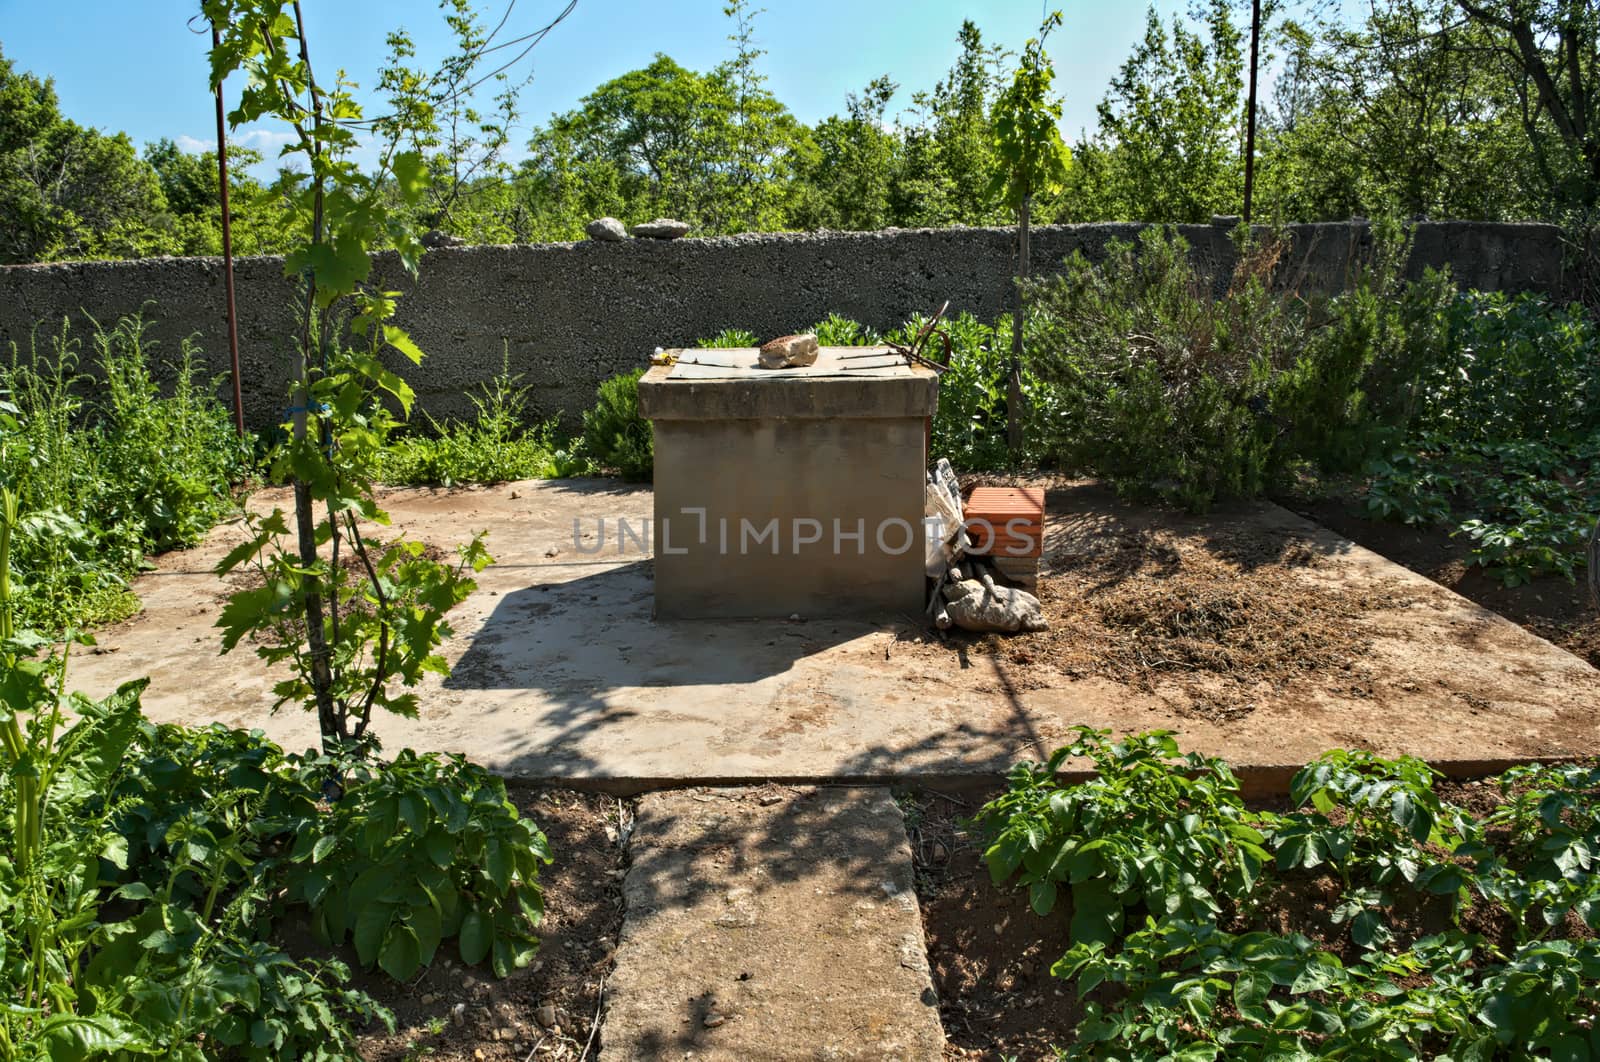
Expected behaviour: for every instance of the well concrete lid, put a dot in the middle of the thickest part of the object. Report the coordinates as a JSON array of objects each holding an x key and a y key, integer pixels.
[{"x": 728, "y": 384}]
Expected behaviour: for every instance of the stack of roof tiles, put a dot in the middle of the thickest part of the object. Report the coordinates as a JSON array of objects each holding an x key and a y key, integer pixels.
[{"x": 1006, "y": 525}]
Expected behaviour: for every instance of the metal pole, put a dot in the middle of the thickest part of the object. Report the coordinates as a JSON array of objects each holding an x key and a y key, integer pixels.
[
  {"x": 1250, "y": 116},
  {"x": 227, "y": 249}
]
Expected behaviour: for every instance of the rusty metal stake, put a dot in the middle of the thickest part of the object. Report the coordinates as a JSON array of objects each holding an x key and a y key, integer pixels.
[{"x": 227, "y": 250}]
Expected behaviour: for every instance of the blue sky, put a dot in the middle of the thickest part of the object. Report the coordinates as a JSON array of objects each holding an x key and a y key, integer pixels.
[{"x": 135, "y": 66}]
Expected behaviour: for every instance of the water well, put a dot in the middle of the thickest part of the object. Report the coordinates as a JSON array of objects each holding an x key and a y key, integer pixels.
[{"x": 789, "y": 491}]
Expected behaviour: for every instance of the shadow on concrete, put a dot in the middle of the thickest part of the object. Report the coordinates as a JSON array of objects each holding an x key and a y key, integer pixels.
[
  {"x": 595, "y": 633},
  {"x": 572, "y": 646},
  {"x": 596, "y": 486}
]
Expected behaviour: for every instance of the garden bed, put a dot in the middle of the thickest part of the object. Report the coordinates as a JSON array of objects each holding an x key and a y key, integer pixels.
[
  {"x": 991, "y": 955},
  {"x": 458, "y": 1014}
]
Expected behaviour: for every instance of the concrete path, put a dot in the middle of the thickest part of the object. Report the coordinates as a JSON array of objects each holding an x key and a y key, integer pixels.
[
  {"x": 561, "y": 675},
  {"x": 771, "y": 924}
]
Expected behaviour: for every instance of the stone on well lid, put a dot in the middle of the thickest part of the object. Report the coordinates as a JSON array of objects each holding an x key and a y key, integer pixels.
[{"x": 787, "y": 351}]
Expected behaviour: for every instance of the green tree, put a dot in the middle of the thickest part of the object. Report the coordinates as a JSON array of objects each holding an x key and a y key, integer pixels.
[
  {"x": 949, "y": 142},
  {"x": 1033, "y": 161},
  {"x": 763, "y": 144},
  {"x": 1396, "y": 114},
  {"x": 194, "y": 213},
  {"x": 717, "y": 150},
  {"x": 855, "y": 164},
  {"x": 1168, "y": 148},
  {"x": 67, "y": 191},
  {"x": 1548, "y": 52}
]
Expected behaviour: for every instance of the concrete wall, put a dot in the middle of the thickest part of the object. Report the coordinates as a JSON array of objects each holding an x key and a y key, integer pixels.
[{"x": 569, "y": 315}]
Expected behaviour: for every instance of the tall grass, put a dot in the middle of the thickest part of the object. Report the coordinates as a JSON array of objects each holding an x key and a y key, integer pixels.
[{"x": 107, "y": 467}]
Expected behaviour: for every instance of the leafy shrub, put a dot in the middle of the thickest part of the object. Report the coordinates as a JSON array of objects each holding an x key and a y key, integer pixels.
[
  {"x": 1168, "y": 389},
  {"x": 728, "y": 338},
  {"x": 1526, "y": 507},
  {"x": 495, "y": 446},
  {"x": 614, "y": 434},
  {"x": 107, "y": 468},
  {"x": 416, "y": 851},
  {"x": 1552, "y": 818},
  {"x": 969, "y": 425},
  {"x": 837, "y": 331},
  {"x": 95, "y": 962},
  {"x": 1512, "y": 367},
  {"x": 1377, "y": 824}
]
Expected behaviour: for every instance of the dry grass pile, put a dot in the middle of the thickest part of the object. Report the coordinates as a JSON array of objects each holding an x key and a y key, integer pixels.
[{"x": 1139, "y": 605}]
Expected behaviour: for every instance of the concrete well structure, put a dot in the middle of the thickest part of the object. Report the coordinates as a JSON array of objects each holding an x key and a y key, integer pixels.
[{"x": 784, "y": 491}]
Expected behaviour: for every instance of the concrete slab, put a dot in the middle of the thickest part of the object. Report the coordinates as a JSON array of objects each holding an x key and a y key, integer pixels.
[
  {"x": 560, "y": 674},
  {"x": 771, "y": 925}
]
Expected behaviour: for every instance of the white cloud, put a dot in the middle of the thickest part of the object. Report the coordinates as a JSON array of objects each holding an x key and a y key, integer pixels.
[
  {"x": 266, "y": 141},
  {"x": 194, "y": 145}
]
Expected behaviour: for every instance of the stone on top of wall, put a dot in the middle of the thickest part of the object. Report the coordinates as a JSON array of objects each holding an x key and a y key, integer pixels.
[{"x": 571, "y": 314}]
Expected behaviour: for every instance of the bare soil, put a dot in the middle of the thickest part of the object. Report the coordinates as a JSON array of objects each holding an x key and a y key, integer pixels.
[
  {"x": 1551, "y": 607},
  {"x": 989, "y": 953},
  {"x": 465, "y": 1014}
]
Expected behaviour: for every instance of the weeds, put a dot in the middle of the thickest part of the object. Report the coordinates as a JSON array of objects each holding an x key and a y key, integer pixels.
[
  {"x": 107, "y": 468},
  {"x": 497, "y": 445}
]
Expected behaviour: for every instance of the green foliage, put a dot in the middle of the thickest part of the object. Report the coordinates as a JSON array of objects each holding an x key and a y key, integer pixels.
[
  {"x": 1525, "y": 508},
  {"x": 495, "y": 446},
  {"x": 1385, "y": 111},
  {"x": 104, "y": 954},
  {"x": 969, "y": 426},
  {"x": 1152, "y": 830},
  {"x": 837, "y": 331},
  {"x": 1170, "y": 127},
  {"x": 948, "y": 156},
  {"x": 417, "y": 851},
  {"x": 1027, "y": 115},
  {"x": 1166, "y": 839},
  {"x": 351, "y": 632},
  {"x": 716, "y": 149},
  {"x": 1547, "y": 870},
  {"x": 1512, "y": 367},
  {"x": 384, "y": 625},
  {"x": 143, "y": 867},
  {"x": 1165, "y": 389},
  {"x": 1387, "y": 832},
  {"x": 615, "y": 436},
  {"x": 730, "y": 337},
  {"x": 1373, "y": 110},
  {"x": 854, "y": 170},
  {"x": 69, "y": 191},
  {"x": 107, "y": 466},
  {"x": 1502, "y": 398}
]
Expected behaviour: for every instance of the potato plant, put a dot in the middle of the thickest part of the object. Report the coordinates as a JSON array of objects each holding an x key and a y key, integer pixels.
[{"x": 1171, "y": 962}]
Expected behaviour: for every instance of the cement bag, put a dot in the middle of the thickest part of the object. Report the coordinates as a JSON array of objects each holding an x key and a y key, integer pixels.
[{"x": 983, "y": 606}]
